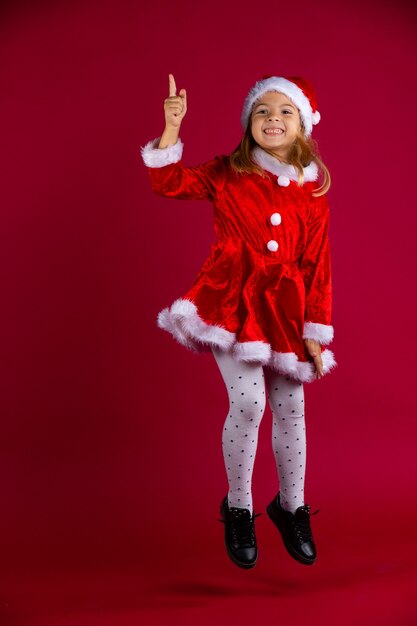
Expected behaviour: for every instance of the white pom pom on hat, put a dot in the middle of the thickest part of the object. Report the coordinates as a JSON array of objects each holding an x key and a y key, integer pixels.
[{"x": 299, "y": 90}]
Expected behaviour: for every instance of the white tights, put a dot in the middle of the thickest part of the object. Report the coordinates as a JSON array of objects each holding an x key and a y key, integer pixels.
[{"x": 245, "y": 383}]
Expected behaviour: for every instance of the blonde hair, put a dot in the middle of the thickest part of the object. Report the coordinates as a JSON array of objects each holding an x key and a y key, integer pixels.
[{"x": 302, "y": 153}]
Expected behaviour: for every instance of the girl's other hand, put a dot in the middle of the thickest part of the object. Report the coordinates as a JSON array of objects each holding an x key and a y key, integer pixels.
[
  {"x": 175, "y": 107},
  {"x": 314, "y": 349}
]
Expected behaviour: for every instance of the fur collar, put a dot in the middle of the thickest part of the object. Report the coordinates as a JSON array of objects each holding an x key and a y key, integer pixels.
[{"x": 273, "y": 165}]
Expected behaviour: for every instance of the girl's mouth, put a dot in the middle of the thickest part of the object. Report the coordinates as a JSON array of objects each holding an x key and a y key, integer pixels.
[{"x": 273, "y": 131}]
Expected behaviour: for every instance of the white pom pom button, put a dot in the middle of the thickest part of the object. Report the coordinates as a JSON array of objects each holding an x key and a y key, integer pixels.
[
  {"x": 272, "y": 245},
  {"x": 275, "y": 219},
  {"x": 283, "y": 181}
]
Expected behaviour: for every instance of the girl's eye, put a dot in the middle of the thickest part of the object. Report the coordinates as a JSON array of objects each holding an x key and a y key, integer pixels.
[{"x": 264, "y": 110}]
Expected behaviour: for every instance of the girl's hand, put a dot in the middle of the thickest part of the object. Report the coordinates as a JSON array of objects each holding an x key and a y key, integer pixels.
[
  {"x": 175, "y": 107},
  {"x": 314, "y": 349}
]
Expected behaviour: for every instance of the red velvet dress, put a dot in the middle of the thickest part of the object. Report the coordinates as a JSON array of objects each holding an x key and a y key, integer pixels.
[{"x": 266, "y": 283}]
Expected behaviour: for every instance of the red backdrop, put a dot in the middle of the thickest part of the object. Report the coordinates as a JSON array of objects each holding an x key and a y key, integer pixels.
[{"x": 110, "y": 441}]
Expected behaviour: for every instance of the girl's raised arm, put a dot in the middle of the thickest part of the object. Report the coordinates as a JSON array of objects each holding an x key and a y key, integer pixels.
[{"x": 163, "y": 156}]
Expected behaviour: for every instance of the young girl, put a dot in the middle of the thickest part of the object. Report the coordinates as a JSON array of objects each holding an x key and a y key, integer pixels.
[{"x": 262, "y": 299}]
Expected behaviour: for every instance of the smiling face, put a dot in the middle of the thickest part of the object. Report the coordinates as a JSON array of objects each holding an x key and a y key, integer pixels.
[{"x": 275, "y": 123}]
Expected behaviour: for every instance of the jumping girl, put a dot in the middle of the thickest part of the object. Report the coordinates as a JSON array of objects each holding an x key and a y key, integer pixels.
[{"x": 262, "y": 300}]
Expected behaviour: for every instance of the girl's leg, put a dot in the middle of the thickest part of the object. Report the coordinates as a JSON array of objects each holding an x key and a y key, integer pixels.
[
  {"x": 286, "y": 399},
  {"x": 246, "y": 390}
]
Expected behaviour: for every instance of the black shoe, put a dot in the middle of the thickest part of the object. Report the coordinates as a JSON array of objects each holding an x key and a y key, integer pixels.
[
  {"x": 239, "y": 534},
  {"x": 295, "y": 530}
]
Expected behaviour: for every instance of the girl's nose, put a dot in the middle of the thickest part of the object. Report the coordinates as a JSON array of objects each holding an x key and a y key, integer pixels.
[{"x": 274, "y": 117}]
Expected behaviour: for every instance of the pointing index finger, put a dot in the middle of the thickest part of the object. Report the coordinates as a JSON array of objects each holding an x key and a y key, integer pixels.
[{"x": 172, "y": 86}]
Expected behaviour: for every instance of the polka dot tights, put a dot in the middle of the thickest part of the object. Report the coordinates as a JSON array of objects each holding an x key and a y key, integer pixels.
[{"x": 245, "y": 383}]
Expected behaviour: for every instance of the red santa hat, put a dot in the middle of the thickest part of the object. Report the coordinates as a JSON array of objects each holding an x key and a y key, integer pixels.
[{"x": 299, "y": 90}]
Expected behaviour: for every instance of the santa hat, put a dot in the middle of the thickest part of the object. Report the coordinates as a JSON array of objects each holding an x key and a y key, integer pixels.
[{"x": 300, "y": 91}]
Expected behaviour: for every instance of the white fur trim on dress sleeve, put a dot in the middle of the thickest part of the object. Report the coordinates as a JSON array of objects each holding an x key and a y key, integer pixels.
[
  {"x": 158, "y": 157},
  {"x": 322, "y": 333}
]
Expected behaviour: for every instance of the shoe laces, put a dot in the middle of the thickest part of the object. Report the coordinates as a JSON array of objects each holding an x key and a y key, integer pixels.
[
  {"x": 301, "y": 523},
  {"x": 241, "y": 525}
]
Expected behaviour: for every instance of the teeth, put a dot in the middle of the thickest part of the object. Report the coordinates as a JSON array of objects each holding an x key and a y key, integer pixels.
[{"x": 273, "y": 131}]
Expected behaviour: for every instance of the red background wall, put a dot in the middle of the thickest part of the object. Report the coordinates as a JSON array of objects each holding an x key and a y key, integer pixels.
[{"x": 110, "y": 438}]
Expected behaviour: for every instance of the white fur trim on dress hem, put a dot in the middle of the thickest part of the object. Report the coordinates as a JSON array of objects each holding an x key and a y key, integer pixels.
[
  {"x": 249, "y": 351},
  {"x": 158, "y": 157},
  {"x": 166, "y": 322},
  {"x": 184, "y": 323},
  {"x": 304, "y": 371},
  {"x": 322, "y": 333}
]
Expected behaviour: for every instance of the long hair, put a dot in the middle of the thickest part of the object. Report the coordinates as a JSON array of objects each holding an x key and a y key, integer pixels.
[{"x": 302, "y": 153}]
